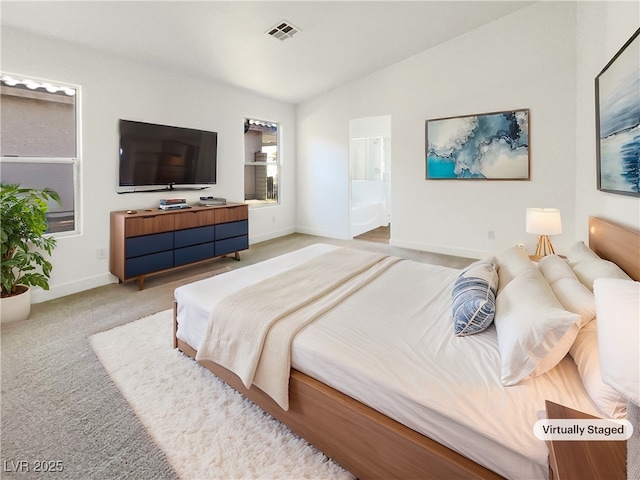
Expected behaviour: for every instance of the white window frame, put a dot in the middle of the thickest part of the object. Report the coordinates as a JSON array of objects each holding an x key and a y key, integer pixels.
[
  {"x": 277, "y": 164},
  {"x": 75, "y": 162}
]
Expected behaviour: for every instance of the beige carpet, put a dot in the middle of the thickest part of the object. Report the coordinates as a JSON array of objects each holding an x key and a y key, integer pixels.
[{"x": 205, "y": 428}]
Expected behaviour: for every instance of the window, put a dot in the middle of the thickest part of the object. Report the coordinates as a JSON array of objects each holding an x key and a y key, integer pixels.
[
  {"x": 39, "y": 142},
  {"x": 261, "y": 162}
]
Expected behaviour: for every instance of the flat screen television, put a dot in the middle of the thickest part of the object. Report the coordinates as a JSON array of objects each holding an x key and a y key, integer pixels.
[{"x": 166, "y": 157}]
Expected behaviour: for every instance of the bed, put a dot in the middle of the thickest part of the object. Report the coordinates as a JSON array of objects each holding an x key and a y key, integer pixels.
[{"x": 363, "y": 402}]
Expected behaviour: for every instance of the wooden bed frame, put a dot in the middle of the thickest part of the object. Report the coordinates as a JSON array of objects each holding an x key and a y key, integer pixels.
[
  {"x": 617, "y": 243},
  {"x": 371, "y": 445}
]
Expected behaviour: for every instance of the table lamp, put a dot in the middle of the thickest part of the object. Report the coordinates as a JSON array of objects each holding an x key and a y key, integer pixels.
[
  {"x": 544, "y": 222},
  {"x": 618, "y": 314}
]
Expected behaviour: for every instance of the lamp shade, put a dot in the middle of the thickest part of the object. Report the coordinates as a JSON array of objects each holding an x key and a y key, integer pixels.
[
  {"x": 618, "y": 314},
  {"x": 544, "y": 221}
]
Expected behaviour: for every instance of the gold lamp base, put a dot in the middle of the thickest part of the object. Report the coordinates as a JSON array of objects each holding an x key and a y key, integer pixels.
[{"x": 544, "y": 246}]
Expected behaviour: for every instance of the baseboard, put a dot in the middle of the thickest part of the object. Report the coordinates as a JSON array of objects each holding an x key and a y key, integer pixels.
[
  {"x": 323, "y": 233},
  {"x": 271, "y": 235},
  {"x": 56, "y": 291},
  {"x": 443, "y": 249}
]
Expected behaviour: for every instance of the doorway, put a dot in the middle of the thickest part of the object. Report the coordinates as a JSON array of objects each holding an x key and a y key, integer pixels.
[{"x": 370, "y": 177}]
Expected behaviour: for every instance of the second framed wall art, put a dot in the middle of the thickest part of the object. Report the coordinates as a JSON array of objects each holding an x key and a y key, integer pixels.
[
  {"x": 487, "y": 146},
  {"x": 618, "y": 121}
]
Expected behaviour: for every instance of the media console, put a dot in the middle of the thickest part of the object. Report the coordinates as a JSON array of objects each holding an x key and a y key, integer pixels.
[{"x": 149, "y": 241}]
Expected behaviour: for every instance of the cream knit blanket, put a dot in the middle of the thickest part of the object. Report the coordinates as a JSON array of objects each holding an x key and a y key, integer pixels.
[{"x": 250, "y": 331}]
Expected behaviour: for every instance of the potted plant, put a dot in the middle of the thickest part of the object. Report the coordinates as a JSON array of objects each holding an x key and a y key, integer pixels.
[{"x": 24, "y": 244}]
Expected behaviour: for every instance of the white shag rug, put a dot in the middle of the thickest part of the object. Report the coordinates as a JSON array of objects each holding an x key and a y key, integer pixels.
[{"x": 206, "y": 429}]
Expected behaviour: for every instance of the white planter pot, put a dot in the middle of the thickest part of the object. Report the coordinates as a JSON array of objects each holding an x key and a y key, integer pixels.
[{"x": 15, "y": 308}]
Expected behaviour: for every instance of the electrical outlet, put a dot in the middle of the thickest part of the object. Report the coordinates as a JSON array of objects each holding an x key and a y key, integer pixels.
[
  {"x": 491, "y": 234},
  {"x": 101, "y": 253}
]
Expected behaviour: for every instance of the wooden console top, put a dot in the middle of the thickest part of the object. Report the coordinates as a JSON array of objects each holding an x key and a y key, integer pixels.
[{"x": 155, "y": 211}]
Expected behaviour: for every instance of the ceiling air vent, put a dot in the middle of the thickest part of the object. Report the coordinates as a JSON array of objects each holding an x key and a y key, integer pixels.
[{"x": 283, "y": 30}]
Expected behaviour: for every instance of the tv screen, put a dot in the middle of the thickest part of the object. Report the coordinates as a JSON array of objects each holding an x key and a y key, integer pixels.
[{"x": 165, "y": 156}]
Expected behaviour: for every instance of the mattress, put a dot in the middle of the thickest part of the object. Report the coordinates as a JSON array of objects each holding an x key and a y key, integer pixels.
[{"x": 391, "y": 346}]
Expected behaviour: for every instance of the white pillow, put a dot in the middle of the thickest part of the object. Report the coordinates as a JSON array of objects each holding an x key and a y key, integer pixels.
[
  {"x": 584, "y": 352},
  {"x": 618, "y": 308},
  {"x": 530, "y": 323},
  {"x": 510, "y": 263},
  {"x": 579, "y": 252},
  {"x": 588, "y": 266},
  {"x": 554, "y": 268},
  {"x": 577, "y": 298},
  {"x": 572, "y": 294}
]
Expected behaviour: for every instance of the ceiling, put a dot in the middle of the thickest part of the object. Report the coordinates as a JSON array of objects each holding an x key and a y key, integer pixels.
[{"x": 338, "y": 41}]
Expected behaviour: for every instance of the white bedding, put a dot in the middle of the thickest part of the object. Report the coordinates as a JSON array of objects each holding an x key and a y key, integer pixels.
[
  {"x": 250, "y": 332},
  {"x": 391, "y": 346}
]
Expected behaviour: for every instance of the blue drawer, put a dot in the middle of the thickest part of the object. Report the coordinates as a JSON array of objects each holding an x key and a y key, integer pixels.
[
  {"x": 194, "y": 236},
  {"x": 147, "y": 244},
  {"x": 148, "y": 263},
  {"x": 234, "y": 244},
  {"x": 232, "y": 229},
  {"x": 195, "y": 253}
]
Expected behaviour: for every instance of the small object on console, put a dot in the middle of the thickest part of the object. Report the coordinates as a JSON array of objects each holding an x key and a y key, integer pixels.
[{"x": 209, "y": 201}]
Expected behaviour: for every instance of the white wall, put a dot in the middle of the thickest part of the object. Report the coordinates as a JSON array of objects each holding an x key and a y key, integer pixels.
[
  {"x": 525, "y": 60},
  {"x": 604, "y": 27},
  {"x": 544, "y": 58},
  {"x": 113, "y": 88}
]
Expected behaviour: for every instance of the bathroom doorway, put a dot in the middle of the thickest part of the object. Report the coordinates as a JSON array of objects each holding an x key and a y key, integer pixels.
[{"x": 370, "y": 178}]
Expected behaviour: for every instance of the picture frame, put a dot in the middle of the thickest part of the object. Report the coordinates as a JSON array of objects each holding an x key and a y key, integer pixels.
[
  {"x": 617, "y": 95},
  {"x": 486, "y": 146}
]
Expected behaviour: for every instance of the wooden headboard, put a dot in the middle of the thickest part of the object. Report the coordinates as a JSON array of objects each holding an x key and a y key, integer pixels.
[{"x": 616, "y": 243}]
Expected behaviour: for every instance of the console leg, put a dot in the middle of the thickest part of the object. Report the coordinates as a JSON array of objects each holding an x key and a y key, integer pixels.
[{"x": 237, "y": 256}]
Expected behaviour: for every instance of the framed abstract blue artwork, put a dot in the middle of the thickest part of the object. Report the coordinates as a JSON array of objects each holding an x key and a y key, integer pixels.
[
  {"x": 618, "y": 121},
  {"x": 487, "y": 146}
]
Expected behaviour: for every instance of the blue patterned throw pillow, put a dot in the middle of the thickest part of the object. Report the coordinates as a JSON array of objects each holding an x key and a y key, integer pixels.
[{"x": 474, "y": 297}]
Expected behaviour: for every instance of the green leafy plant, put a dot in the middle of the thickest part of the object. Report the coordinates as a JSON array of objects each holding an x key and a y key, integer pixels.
[{"x": 24, "y": 240}]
